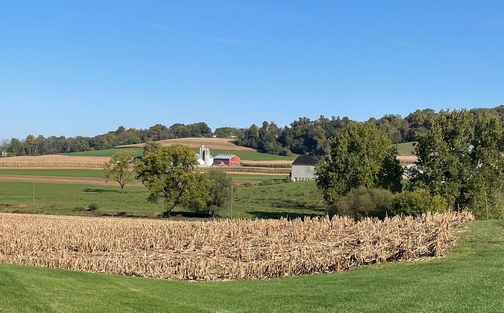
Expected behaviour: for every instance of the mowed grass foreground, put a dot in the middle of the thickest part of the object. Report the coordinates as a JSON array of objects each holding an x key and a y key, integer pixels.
[{"x": 469, "y": 279}]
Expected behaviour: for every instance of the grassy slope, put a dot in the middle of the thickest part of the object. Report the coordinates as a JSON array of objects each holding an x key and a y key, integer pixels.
[
  {"x": 293, "y": 199},
  {"x": 406, "y": 148},
  {"x": 104, "y": 153},
  {"x": 244, "y": 155},
  {"x": 54, "y": 172},
  {"x": 98, "y": 173},
  {"x": 469, "y": 279}
]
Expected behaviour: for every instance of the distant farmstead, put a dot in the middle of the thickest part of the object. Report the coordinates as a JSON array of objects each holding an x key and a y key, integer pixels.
[
  {"x": 226, "y": 159},
  {"x": 303, "y": 168}
]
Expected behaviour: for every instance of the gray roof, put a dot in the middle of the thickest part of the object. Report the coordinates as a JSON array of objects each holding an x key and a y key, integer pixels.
[
  {"x": 307, "y": 160},
  {"x": 224, "y": 156}
]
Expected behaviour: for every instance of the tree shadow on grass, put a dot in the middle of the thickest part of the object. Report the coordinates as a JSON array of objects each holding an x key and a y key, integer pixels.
[
  {"x": 278, "y": 215},
  {"x": 185, "y": 214},
  {"x": 99, "y": 190}
]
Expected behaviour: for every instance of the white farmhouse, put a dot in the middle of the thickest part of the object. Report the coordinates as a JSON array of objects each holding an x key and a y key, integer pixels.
[{"x": 303, "y": 168}]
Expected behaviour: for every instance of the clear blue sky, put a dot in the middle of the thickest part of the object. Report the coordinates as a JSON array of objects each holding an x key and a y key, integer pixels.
[{"x": 86, "y": 67}]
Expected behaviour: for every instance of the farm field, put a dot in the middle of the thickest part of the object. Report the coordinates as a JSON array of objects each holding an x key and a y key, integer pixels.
[
  {"x": 221, "y": 249},
  {"x": 468, "y": 279},
  {"x": 98, "y": 173},
  {"x": 406, "y": 149},
  {"x": 226, "y": 144},
  {"x": 104, "y": 153},
  {"x": 251, "y": 155},
  {"x": 62, "y": 199}
]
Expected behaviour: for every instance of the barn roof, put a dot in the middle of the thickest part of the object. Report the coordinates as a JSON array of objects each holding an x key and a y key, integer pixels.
[
  {"x": 224, "y": 156},
  {"x": 307, "y": 160}
]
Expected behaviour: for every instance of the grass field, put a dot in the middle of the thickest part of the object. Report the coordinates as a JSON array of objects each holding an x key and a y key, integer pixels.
[
  {"x": 469, "y": 279},
  {"x": 292, "y": 199},
  {"x": 242, "y": 154},
  {"x": 100, "y": 174},
  {"x": 406, "y": 149},
  {"x": 54, "y": 172},
  {"x": 105, "y": 153}
]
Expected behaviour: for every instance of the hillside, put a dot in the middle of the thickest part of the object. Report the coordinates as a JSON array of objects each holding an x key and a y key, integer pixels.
[{"x": 225, "y": 144}]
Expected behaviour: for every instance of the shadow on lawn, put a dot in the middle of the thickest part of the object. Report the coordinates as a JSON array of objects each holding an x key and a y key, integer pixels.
[
  {"x": 99, "y": 190},
  {"x": 278, "y": 215}
]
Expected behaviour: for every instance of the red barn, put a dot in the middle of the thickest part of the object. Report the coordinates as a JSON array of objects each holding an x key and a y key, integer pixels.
[{"x": 226, "y": 159}]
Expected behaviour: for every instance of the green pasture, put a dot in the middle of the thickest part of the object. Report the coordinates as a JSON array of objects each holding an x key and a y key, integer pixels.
[
  {"x": 406, "y": 148},
  {"x": 98, "y": 173},
  {"x": 105, "y": 153},
  {"x": 469, "y": 279},
  {"x": 244, "y": 155},
  {"x": 62, "y": 199},
  {"x": 272, "y": 201}
]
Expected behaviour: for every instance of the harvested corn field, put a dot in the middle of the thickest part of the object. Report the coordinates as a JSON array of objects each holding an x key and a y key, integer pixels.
[{"x": 220, "y": 250}]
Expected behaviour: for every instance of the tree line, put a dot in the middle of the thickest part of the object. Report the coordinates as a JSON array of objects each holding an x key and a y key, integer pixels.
[
  {"x": 460, "y": 165},
  {"x": 305, "y": 136},
  {"x": 302, "y": 136},
  {"x": 41, "y": 145}
]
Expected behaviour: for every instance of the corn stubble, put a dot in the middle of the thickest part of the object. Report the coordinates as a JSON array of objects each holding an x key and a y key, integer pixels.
[{"x": 220, "y": 250}]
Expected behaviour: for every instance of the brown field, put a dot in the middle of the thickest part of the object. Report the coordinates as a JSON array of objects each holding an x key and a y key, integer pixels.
[
  {"x": 220, "y": 249},
  {"x": 407, "y": 159},
  {"x": 273, "y": 164},
  {"x": 53, "y": 161},
  {"x": 212, "y": 143}
]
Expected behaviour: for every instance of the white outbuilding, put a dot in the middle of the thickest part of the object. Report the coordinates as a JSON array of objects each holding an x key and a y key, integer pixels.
[{"x": 303, "y": 168}]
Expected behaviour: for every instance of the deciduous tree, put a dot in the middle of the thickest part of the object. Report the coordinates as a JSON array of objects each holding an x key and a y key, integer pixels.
[
  {"x": 170, "y": 173},
  {"x": 460, "y": 158},
  {"x": 119, "y": 169},
  {"x": 220, "y": 191},
  {"x": 361, "y": 155}
]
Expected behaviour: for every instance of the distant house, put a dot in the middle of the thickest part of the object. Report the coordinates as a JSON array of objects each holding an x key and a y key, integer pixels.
[
  {"x": 226, "y": 159},
  {"x": 303, "y": 168}
]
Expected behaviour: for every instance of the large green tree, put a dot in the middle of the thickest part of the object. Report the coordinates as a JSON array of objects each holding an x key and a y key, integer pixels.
[
  {"x": 460, "y": 158},
  {"x": 220, "y": 191},
  {"x": 361, "y": 155},
  {"x": 119, "y": 169},
  {"x": 170, "y": 173}
]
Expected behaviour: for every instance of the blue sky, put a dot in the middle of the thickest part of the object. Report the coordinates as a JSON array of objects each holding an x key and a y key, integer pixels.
[{"x": 86, "y": 67}]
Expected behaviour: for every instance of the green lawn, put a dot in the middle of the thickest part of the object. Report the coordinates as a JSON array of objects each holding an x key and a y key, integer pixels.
[
  {"x": 469, "y": 279},
  {"x": 274, "y": 201}
]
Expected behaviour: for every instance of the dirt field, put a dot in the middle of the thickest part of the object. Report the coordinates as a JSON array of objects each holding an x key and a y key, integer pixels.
[{"x": 212, "y": 143}]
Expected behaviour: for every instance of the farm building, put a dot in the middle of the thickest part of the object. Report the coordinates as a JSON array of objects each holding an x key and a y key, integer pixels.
[
  {"x": 303, "y": 168},
  {"x": 204, "y": 157},
  {"x": 226, "y": 159}
]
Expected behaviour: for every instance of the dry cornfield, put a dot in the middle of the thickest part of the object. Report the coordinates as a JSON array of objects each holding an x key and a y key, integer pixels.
[{"x": 220, "y": 250}]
